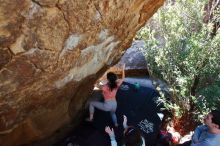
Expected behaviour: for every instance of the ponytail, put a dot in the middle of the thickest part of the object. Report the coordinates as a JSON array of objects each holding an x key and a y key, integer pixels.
[{"x": 112, "y": 80}]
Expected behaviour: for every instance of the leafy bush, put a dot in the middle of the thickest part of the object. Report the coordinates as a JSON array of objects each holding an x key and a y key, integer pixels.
[
  {"x": 209, "y": 98},
  {"x": 183, "y": 49}
]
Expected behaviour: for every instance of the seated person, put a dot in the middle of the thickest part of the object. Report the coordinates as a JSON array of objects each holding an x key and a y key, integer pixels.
[
  {"x": 132, "y": 136},
  {"x": 208, "y": 134}
]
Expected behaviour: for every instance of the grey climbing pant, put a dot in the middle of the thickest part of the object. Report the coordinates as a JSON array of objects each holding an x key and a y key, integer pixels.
[{"x": 109, "y": 105}]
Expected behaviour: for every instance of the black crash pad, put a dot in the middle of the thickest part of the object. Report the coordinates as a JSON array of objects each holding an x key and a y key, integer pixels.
[{"x": 137, "y": 103}]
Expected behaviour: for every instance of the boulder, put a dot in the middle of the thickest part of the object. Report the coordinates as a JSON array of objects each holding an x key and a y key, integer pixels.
[
  {"x": 134, "y": 60},
  {"x": 52, "y": 52}
]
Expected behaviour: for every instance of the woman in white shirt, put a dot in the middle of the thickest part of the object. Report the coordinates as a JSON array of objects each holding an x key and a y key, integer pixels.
[{"x": 132, "y": 136}]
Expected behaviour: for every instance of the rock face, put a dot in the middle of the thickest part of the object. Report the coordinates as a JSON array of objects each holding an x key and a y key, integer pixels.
[
  {"x": 134, "y": 59},
  {"x": 51, "y": 53}
]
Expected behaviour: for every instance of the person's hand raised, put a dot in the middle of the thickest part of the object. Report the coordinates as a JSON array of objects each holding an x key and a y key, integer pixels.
[
  {"x": 125, "y": 121},
  {"x": 110, "y": 131}
]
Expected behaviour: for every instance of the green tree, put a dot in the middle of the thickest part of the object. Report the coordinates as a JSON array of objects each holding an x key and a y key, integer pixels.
[{"x": 183, "y": 49}]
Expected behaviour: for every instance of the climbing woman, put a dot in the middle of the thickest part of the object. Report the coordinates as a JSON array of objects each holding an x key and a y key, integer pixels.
[{"x": 109, "y": 91}]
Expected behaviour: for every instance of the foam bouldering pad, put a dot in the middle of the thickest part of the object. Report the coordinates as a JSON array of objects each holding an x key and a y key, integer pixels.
[{"x": 139, "y": 105}]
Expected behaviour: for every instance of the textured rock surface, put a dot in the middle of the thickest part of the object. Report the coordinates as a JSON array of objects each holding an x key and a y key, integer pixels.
[
  {"x": 51, "y": 52},
  {"x": 133, "y": 57}
]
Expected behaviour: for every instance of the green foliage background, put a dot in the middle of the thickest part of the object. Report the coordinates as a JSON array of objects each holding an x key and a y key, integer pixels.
[{"x": 182, "y": 50}]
